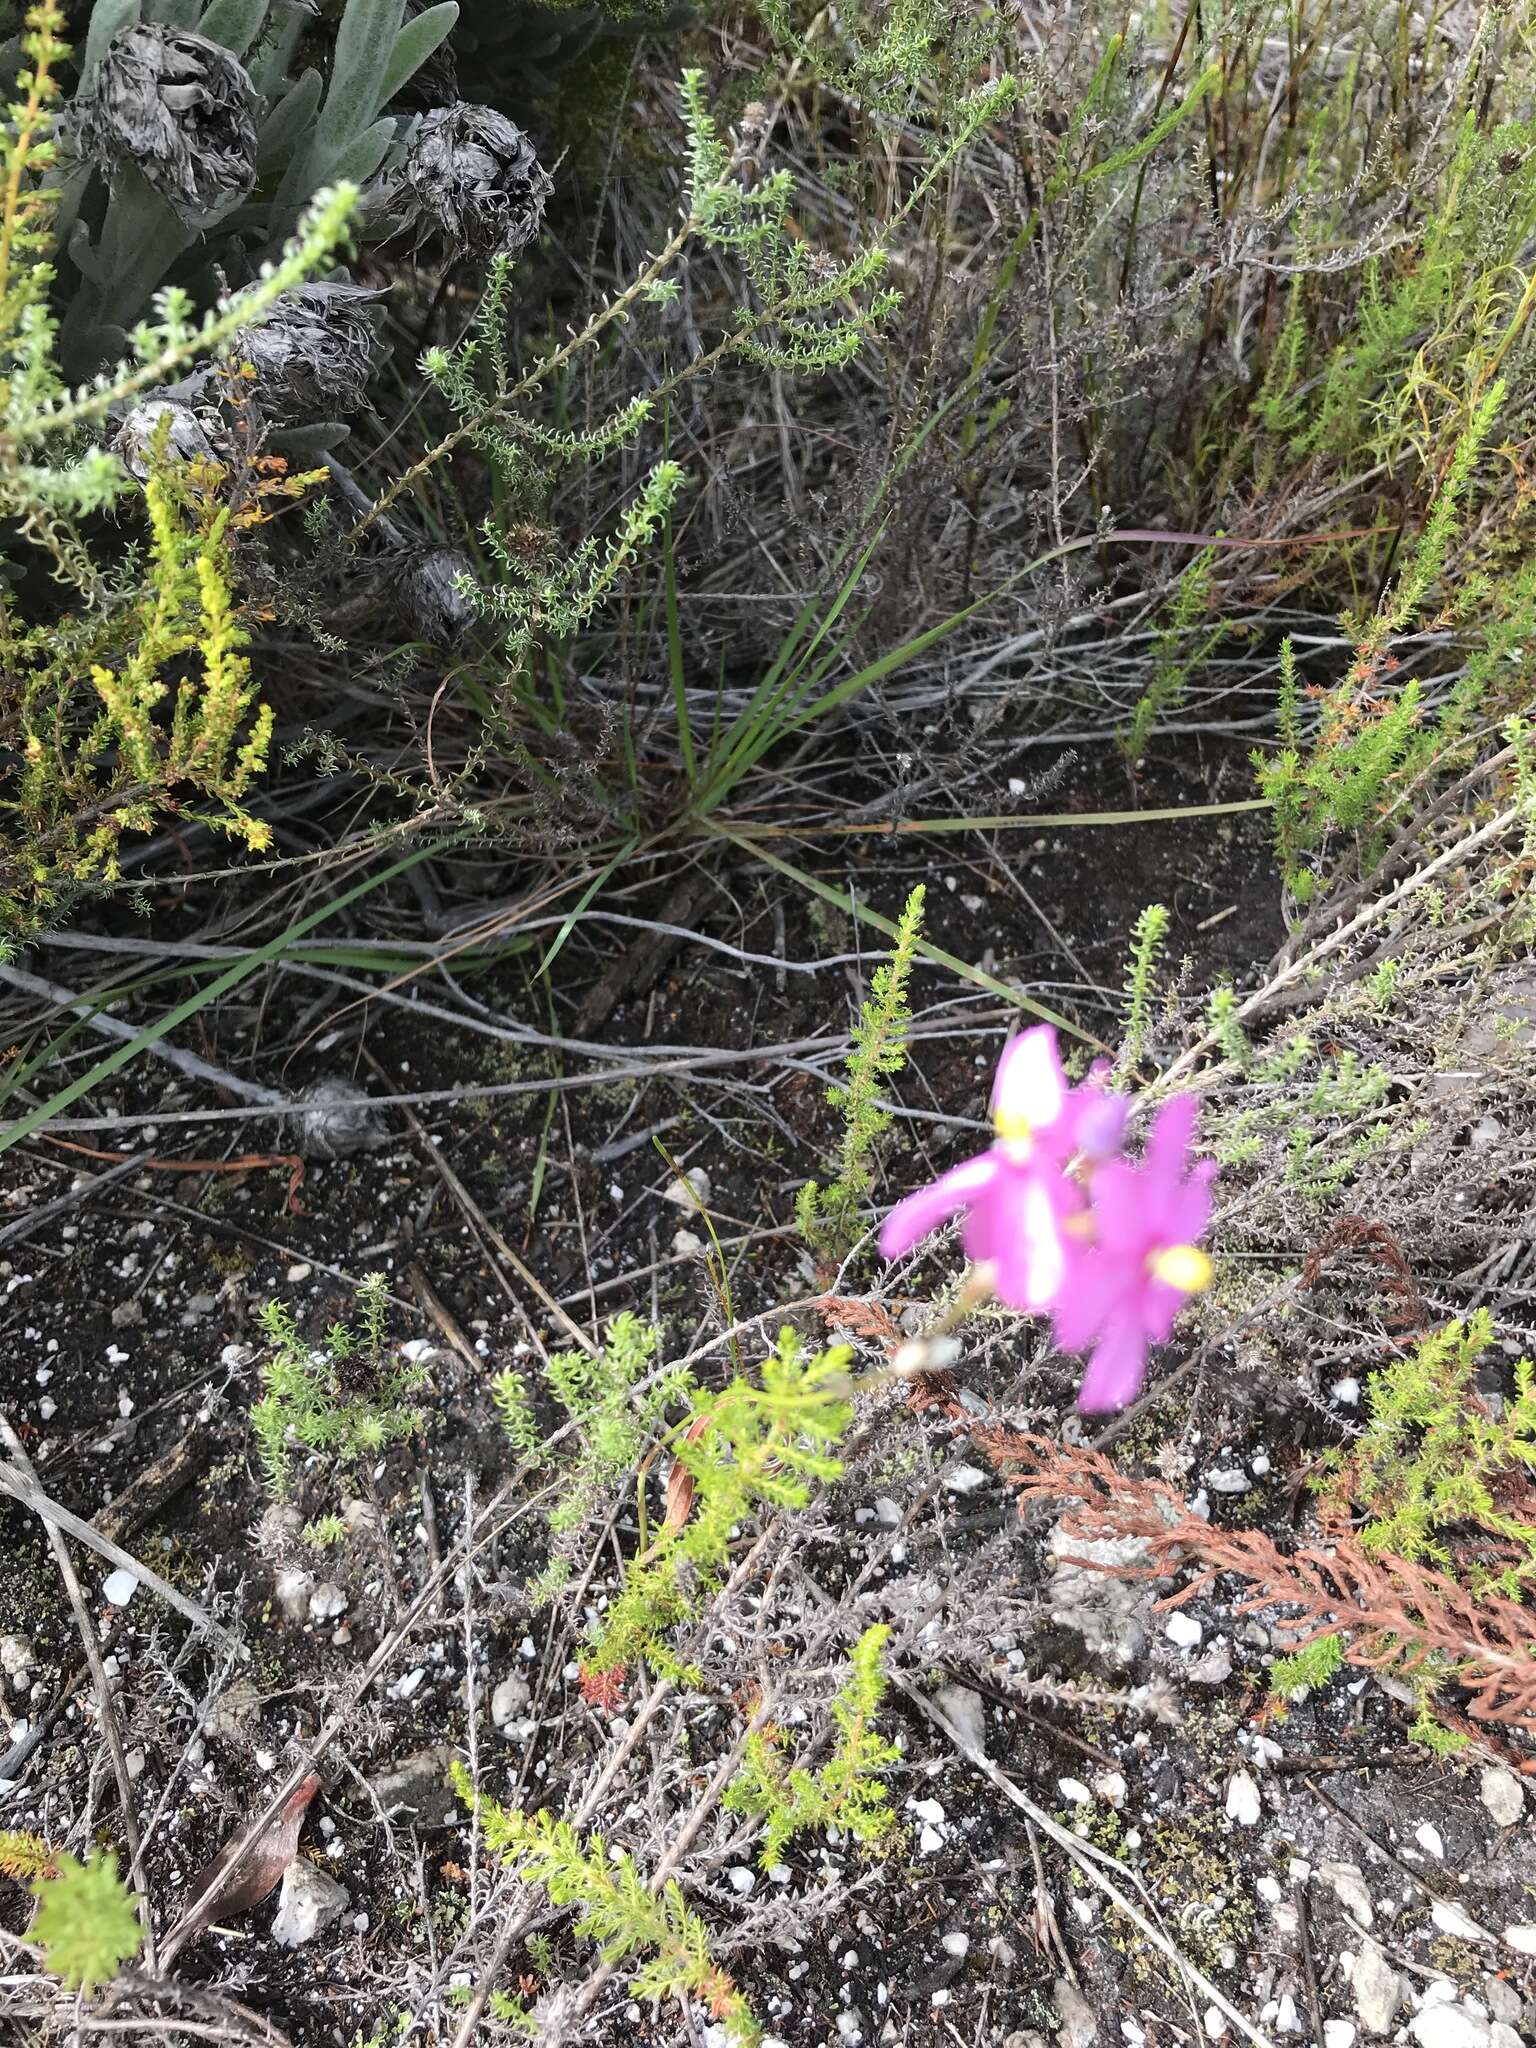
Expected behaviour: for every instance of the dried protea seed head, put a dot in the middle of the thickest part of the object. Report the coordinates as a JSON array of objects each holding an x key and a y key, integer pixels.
[
  {"x": 177, "y": 431},
  {"x": 178, "y": 108},
  {"x": 428, "y": 589},
  {"x": 472, "y": 175},
  {"x": 334, "y": 1121},
  {"x": 312, "y": 355}
]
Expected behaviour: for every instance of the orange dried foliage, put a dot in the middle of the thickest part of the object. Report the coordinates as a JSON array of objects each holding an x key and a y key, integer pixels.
[{"x": 1394, "y": 1615}]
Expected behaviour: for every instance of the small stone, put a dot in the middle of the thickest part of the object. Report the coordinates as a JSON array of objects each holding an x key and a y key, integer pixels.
[
  {"x": 308, "y": 1902},
  {"x": 740, "y": 1879},
  {"x": 1107, "y": 1607},
  {"x": 16, "y": 1655},
  {"x": 1268, "y": 1889},
  {"x": 1377, "y": 1990},
  {"x": 1078, "y": 2023},
  {"x": 929, "y": 1810},
  {"x": 301, "y": 1270},
  {"x": 1501, "y": 1792},
  {"x": 1338, "y": 2034},
  {"x": 1228, "y": 1480},
  {"x": 1214, "y": 2021},
  {"x": 1450, "y": 1919},
  {"x": 691, "y": 1191},
  {"x": 956, "y": 1944},
  {"x": 508, "y": 1701},
  {"x": 119, "y": 1587},
  {"x": 964, "y": 1711},
  {"x": 1522, "y": 1937},
  {"x": 686, "y": 1245},
  {"x": 1214, "y": 1667},
  {"x": 929, "y": 1842},
  {"x": 419, "y": 1789},
  {"x": 333, "y": 1120},
  {"x": 1182, "y": 1630},
  {"x": 1350, "y": 1889},
  {"x": 1430, "y": 1840},
  {"x": 1345, "y": 1392},
  {"x": 1503, "y": 2001},
  {"x": 1243, "y": 1804},
  {"x": 964, "y": 1479},
  {"x": 292, "y": 1592},
  {"x": 407, "y": 1687},
  {"x": 1449, "y": 2026},
  {"x": 1074, "y": 1791},
  {"x": 327, "y": 1601},
  {"x": 1111, "y": 1788}
]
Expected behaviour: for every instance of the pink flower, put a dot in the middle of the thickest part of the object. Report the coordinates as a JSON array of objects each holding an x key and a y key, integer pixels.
[
  {"x": 1017, "y": 1195},
  {"x": 1122, "y": 1289}
]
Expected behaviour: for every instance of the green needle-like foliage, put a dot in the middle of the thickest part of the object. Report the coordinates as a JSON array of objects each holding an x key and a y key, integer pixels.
[
  {"x": 847, "y": 1792},
  {"x": 85, "y": 1921},
  {"x": 618, "y": 1908},
  {"x": 89, "y": 752},
  {"x": 829, "y": 1218},
  {"x": 747, "y": 1448},
  {"x": 1435, "y": 1460},
  {"x": 347, "y": 1398}
]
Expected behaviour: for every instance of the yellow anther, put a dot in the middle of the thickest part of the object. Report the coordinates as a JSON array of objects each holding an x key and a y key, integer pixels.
[
  {"x": 1011, "y": 1127},
  {"x": 1183, "y": 1266}
]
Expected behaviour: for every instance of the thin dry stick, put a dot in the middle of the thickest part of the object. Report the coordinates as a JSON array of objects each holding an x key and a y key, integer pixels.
[
  {"x": 1372, "y": 912},
  {"x": 25, "y": 1489},
  {"x": 487, "y": 1228},
  {"x": 1085, "y": 1856},
  {"x": 108, "y": 1026},
  {"x": 331, "y": 1728},
  {"x": 106, "y": 1711}
]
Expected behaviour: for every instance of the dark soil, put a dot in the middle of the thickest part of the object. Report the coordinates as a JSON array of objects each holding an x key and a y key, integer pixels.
[{"x": 128, "y": 1338}]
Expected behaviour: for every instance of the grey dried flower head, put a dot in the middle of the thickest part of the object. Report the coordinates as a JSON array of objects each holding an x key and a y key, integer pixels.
[
  {"x": 425, "y": 584},
  {"x": 189, "y": 436},
  {"x": 472, "y": 174},
  {"x": 178, "y": 108},
  {"x": 335, "y": 1121},
  {"x": 312, "y": 355}
]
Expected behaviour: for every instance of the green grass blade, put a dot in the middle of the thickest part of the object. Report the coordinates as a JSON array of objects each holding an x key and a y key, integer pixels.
[
  {"x": 598, "y": 882},
  {"x": 114, "y": 1061},
  {"x": 936, "y": 954},
  {"x": 675, "y": 654}
]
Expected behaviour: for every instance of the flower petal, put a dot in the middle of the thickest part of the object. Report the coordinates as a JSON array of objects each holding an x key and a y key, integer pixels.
[
  {"x": 1030, "y": 1088},
  {"x": 1120, "y": 1209},
  {"x": 1099, "y": 1123},
  {"x": 1116, "y": 1370},
  {"x": 911, "y": 1221},
  {"x": 1031, "y": 1262},
  {"x": 1090, "y": 1291},
  {"x": 1173, "y": 1131}
]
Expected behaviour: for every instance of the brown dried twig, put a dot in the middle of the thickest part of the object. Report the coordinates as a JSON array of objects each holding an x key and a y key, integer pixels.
[
  {"x": 1356, "y": 1233},
  {"x": 1395, "y": 1615}
]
